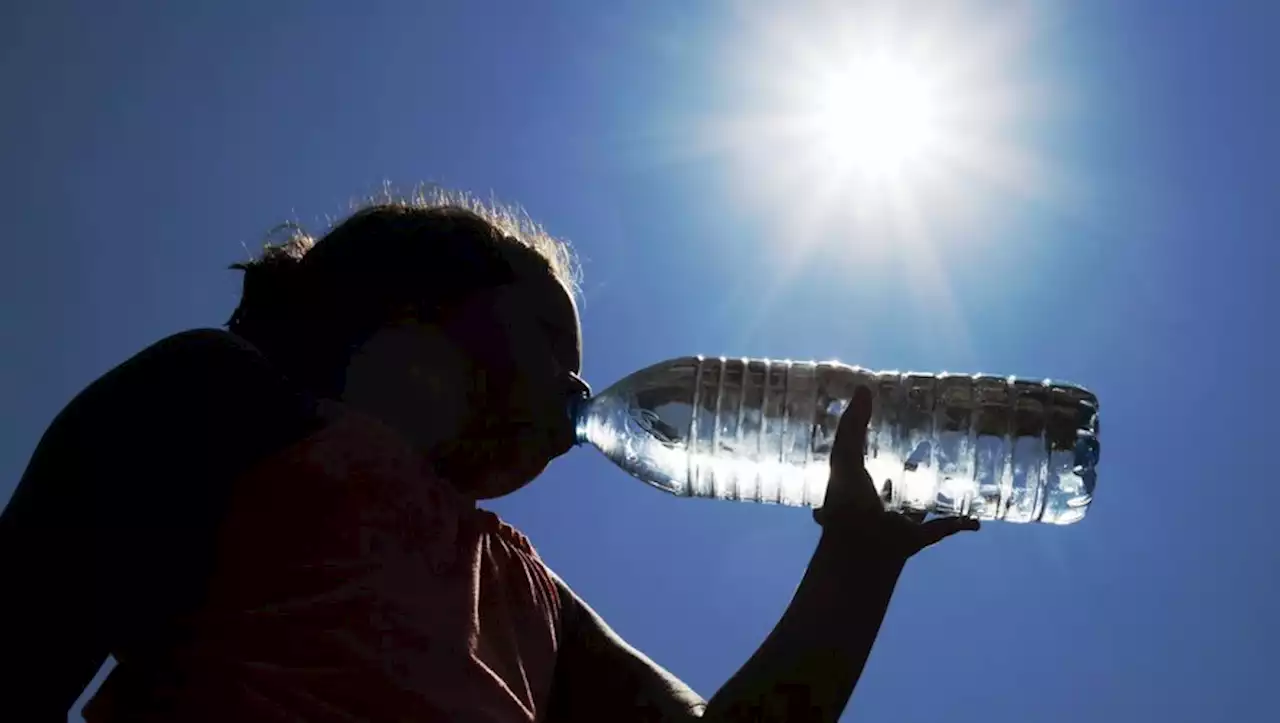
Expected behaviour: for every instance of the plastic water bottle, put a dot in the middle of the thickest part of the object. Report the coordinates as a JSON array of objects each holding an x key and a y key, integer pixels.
[{"x": 993, "y": 448}]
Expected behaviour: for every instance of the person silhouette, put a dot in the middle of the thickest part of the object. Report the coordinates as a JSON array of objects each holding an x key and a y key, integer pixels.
[{"x": 280, "y": 521}]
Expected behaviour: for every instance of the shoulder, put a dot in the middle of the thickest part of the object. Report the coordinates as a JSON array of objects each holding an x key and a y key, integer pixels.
[
  {"x": 203, "y": 388},
  {"x": 209, "y": 363},
  {"x": 190, "y": 359},
  {"x": 210, "y": 354},
  {"x": 110, "y": 532}
]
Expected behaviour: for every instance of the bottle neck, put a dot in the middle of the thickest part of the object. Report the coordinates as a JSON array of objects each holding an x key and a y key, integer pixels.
[{"x": 577, "y": 411}]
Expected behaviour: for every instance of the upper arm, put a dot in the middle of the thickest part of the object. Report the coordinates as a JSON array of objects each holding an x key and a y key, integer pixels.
[
  {"x": 112, "y": 523},
  {"x": 600, "y": 677}
]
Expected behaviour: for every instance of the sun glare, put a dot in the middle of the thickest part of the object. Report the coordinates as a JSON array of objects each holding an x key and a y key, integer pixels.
[
  {"x": 885, "y": 126},
  {"x": 878, "y": 115}
]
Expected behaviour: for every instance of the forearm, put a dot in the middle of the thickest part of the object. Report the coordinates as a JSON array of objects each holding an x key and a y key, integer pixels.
[{"x": 807, "y": 668}]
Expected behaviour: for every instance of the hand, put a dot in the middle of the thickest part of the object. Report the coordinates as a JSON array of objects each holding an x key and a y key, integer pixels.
[{"x": 852, "y": 503}]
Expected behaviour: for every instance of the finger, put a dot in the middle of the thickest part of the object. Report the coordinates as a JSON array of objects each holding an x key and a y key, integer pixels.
[
  {"x": 849, "y": 449},
  {"x": 935, "y": 531}
]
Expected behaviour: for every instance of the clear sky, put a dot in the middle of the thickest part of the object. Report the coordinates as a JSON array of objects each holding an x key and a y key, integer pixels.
[{"x": 1098, "y": 202}]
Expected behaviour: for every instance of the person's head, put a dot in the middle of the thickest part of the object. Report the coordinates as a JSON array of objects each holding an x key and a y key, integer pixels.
[{"x": 452, "y": 321}]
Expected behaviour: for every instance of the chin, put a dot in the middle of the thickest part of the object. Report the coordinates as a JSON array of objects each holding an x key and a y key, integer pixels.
[
  {"x": 488, "y": 470},
  {"x": 489, "y": 476},
  {"x": 501, "y": 483}
]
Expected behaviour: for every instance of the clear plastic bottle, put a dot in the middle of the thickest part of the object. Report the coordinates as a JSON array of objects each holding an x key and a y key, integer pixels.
[{"x": 993, "y": 448}]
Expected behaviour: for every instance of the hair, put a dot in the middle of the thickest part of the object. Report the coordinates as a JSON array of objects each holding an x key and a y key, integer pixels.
[{"x": 307, "y": 304}]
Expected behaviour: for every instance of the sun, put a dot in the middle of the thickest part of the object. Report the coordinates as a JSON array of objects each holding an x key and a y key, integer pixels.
[
  {"x": 878, "y": 115},
  {"x": 888, "y": 127}
]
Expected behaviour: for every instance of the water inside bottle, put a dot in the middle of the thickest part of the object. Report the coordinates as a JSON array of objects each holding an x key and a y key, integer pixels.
[{"x": 760, "y": 430}]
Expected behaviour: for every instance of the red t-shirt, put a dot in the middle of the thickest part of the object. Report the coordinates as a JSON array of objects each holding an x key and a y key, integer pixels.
[{"x": 351, "y": 585}]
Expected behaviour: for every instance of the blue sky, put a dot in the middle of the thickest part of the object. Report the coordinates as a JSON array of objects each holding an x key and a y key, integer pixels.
[{"x": 144, "y": 148}]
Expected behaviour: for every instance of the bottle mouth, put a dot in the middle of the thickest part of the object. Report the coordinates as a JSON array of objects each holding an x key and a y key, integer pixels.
[{"x": 576, "y": 408}]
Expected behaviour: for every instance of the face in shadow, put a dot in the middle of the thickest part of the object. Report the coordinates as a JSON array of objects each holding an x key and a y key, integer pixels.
[{"x": 483, "y": 388}]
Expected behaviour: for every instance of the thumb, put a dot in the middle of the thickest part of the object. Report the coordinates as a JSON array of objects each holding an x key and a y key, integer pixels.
[{"x": 848, "y": 453}]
